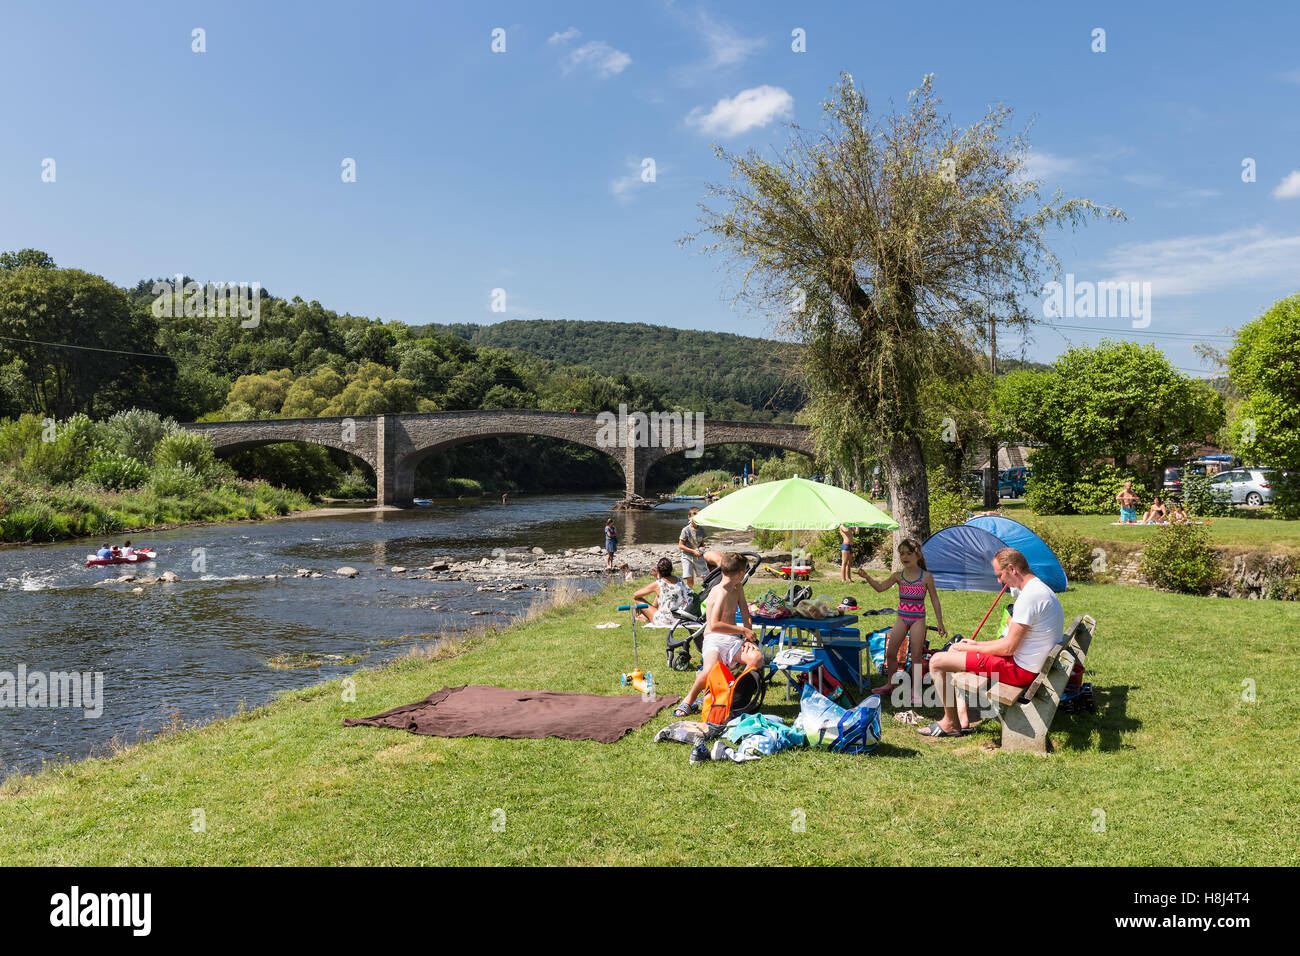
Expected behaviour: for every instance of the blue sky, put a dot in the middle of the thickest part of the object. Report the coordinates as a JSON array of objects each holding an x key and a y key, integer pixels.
[{"x": 520, "y": 170}]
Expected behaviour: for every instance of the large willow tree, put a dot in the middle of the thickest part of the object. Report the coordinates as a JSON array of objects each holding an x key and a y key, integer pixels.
[{"x": 883, "y": 244}]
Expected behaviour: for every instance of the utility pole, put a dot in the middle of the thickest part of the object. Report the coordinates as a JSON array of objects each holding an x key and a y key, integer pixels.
[{"x": 991, "y": 472}]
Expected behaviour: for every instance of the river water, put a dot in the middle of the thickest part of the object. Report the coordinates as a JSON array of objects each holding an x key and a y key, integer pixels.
[{"x": 200, "y": 647}]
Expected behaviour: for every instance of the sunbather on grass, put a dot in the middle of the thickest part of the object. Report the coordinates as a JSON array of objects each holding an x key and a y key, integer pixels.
[{"x": 735, "y": 645}]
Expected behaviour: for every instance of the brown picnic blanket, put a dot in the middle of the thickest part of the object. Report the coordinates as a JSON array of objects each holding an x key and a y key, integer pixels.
[{"x": 477, "y": 710}]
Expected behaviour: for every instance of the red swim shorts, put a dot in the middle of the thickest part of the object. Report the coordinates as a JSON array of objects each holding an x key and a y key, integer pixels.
[{"x": 1005, "y": 669}]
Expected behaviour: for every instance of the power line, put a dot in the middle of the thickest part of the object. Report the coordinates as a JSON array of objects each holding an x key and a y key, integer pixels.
[
  {"x": 1192, "y": 336},
  {"x": 85, "y": 348}
]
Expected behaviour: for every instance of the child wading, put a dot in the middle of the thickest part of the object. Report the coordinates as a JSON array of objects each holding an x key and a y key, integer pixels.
[
  {"x": 611, "y": 544},
  {"x": 913, "y": 583}
]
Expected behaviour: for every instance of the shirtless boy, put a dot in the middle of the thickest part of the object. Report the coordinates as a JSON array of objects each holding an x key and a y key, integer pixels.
[{"x": 733, "y": 644}]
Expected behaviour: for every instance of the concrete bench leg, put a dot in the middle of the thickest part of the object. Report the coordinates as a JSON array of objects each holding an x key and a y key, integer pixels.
[{"x": 1025, "y": 726}]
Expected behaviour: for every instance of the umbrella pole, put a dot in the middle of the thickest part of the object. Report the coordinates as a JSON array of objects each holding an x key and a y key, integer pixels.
[{"x": 990, "y": 610}]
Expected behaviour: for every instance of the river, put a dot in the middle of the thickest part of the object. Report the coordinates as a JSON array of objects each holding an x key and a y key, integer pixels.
[{"x": 199, "y": 647}]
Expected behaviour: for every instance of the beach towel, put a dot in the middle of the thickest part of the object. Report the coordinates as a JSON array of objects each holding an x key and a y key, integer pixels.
[{"x": 477, "y": 710}]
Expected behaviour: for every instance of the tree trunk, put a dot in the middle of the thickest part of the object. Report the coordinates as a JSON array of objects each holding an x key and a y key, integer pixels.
[
  {"x": 909, "y": 491},
  {"x": 991, "y": 479}
]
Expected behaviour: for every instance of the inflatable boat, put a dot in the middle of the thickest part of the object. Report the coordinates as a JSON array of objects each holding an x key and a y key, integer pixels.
[{"x": 140, "y": 556}]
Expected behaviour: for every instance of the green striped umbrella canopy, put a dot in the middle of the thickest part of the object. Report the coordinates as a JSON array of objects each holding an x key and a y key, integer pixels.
[{"x": 795, "y": 504}]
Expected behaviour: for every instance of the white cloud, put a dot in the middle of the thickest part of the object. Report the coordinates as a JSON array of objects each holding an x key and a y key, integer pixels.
[
  {"x": 1290, "y": 76},
  {"x": 1289, "y": 187},
  {"x": 1043, "y": 165},
  {"x": 1191, "y": 265},
  {"x": 599, "y": 56},
  {"x": 569, "y": 34},
  {"x": 758, "y": 106},
  {"x": 726, "y": 46},
  {"x": 622, "y": 188}
]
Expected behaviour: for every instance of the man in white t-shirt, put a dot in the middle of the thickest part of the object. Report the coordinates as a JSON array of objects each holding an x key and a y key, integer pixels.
[{"x": 1037, "y": 625}]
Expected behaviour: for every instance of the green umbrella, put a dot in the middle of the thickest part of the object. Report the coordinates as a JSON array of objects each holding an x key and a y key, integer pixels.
[{"x": 795, "y": 504}]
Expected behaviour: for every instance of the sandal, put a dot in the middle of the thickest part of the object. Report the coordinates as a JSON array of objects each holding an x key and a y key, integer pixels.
[
  {"x": 936, "y": 730},
  {"x": 682, "y": 711}
]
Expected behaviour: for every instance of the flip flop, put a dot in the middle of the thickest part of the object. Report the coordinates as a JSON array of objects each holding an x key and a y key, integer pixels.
[{"x": 936, "y": 730}]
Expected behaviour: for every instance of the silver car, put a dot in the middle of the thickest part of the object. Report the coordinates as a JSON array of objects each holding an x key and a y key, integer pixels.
[{"x": 1245, "y": 486}]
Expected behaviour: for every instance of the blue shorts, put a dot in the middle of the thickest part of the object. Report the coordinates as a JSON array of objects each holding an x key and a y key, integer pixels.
[
  {"x": 846, "y": 547},
  {"x": 1127, "y": 514}
]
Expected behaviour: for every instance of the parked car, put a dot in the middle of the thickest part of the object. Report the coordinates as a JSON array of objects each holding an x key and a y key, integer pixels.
[
  {"x": 1011, "y": 483},
  {"x": 1245, "y": 486},
  {"x": 1173, "y": 483}
]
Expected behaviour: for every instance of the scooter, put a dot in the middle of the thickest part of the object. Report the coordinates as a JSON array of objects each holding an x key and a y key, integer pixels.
[{"x": 642, "y": 682}]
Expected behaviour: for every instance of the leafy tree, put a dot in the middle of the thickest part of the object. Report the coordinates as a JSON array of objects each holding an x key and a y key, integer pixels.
[
  {"x": 262, "y": 393},
  {"x": 26, "y": 259},
  {"x": 68, "y": 338},
  {"x": 309, "y": 396},
  {"x": 882, "y": 245},
  {"x": 1116, "y": 400},
  {"x": 1265, "y": 365}
]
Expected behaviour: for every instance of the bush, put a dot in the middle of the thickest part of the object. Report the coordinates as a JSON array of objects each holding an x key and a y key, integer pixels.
[
  {"x": 462, "y": 486},
  {"x": 354, "y": 484},
  {"x": 115, "y": 471},
  {"x": 135, "y": 433},
  {"x": 177, "y": 481},
  {"x": 1178, "y": 557},
  {"x": 948, "y": 504},
  {"x": 1093, "y": 492},
  {"x": 696, "y": 484},
  {"x": 1048, "y": 495},
  {"x": 186, "y": 448},
  {"x": 62, "y": 451},
  {"x": 1286, "y": 495},
  {"x": 1075, "y": 554},
  {"x": 30, "y": 523},
  {"x": 786, "y": 466},
  {"x": 1199, "y": 501}
]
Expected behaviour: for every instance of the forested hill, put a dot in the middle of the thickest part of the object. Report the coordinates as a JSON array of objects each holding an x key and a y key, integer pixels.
[{"x": 713, "y": 370}]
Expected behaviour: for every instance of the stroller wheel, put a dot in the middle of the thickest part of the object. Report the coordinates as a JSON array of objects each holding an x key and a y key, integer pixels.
[{"x": 679, "y": 659}]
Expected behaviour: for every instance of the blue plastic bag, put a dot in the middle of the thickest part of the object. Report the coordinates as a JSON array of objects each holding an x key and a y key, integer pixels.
[
  {"x": 819, "y": 718},
  {"x": 859, "y": 729}
]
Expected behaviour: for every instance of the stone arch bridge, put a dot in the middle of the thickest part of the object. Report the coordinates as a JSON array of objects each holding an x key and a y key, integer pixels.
[{"x": 393, "y": 445}]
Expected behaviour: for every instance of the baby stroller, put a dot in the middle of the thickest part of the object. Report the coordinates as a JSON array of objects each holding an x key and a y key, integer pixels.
[{"x": 689, "y": 628}]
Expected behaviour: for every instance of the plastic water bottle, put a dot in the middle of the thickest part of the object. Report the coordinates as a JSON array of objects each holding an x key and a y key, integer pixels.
[{"x": 649, "y": 686}]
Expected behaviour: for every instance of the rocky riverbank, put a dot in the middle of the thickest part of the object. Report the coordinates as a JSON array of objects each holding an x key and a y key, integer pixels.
[{"x": 514, "y": 569}]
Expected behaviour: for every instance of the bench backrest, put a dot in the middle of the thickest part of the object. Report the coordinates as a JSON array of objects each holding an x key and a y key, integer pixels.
[{"x": 1076, "y": 640}]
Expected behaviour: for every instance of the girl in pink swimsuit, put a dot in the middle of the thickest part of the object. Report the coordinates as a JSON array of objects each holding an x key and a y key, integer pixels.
[{"x": 914, "y": 581}]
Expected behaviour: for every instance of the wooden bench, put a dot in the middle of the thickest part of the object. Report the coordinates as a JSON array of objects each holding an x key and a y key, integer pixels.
[{"x": 1026, "y": 712}]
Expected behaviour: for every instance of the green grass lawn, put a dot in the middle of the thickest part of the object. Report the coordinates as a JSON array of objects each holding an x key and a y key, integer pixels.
[
  {"x": 1236, "y": 534},
  {"x": 1184, "y": 769}
]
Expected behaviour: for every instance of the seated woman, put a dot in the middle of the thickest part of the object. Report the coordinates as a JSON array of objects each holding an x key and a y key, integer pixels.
[
  {"x": 1156, "y": 514},
  {"x": 672, "y": 595}
]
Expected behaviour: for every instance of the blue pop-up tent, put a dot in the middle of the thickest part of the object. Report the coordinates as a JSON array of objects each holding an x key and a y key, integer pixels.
[{"x": 960, "y": 557}]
